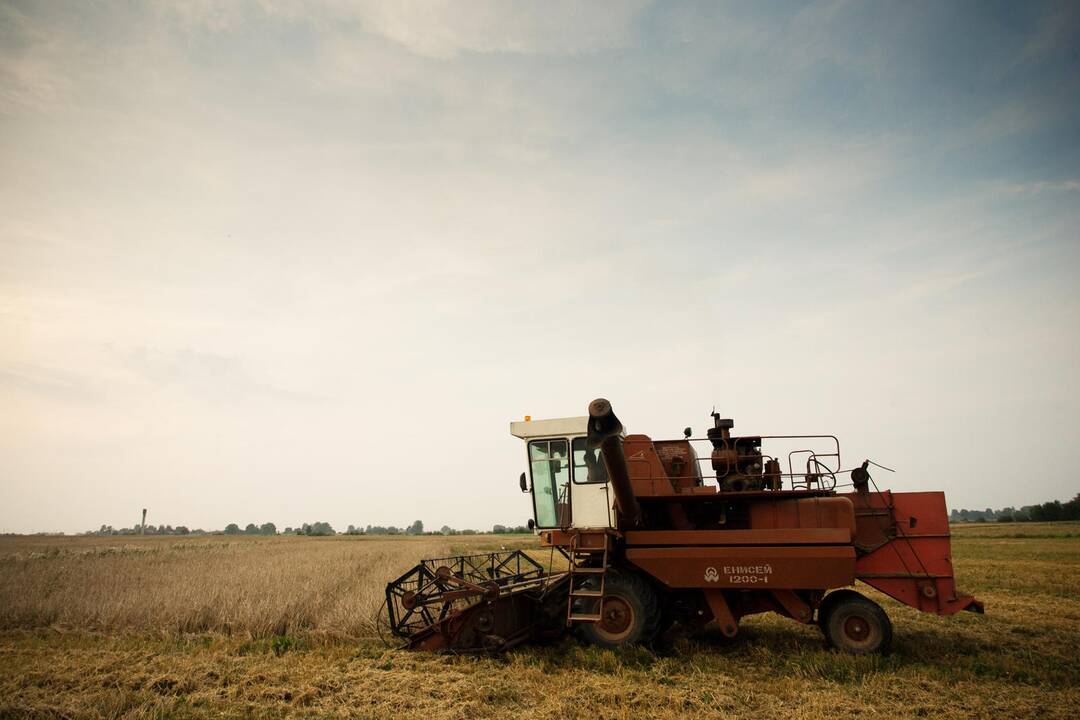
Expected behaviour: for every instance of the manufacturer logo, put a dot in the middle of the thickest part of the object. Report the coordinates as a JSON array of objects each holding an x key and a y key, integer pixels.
[{"x": 711, "y": 575}]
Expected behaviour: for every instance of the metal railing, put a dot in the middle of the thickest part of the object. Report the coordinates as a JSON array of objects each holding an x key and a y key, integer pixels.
[{"x": 822, "y": 464}]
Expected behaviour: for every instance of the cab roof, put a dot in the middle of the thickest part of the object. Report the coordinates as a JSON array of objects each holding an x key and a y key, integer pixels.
[{"x": 552, "y": 427}]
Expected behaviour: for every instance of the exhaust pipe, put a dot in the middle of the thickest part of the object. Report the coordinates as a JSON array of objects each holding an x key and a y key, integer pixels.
[{"x": 605, "y": 432}]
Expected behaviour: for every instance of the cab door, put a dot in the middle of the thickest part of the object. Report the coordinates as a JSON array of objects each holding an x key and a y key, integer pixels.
[
  {"x": 550, "y": 468},
  {"x": 589, "y": 491}
]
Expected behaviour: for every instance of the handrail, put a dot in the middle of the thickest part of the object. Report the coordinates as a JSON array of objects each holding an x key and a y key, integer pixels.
[{"x": 797, "y": 480}]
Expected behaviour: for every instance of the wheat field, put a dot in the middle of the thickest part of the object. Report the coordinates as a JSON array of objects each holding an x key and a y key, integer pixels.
[
  {"x": 101, "y": 627},
  {"x": 252, "y": 587}
]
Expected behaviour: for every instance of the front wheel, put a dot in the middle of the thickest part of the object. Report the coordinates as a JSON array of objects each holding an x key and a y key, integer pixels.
[
  {"x": 630, "y": 613},
  {"x": 856, "y": 624}
]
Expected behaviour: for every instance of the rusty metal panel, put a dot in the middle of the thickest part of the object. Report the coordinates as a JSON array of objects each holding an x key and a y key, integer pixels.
[
  {"x": 783, "y": 536},
  {"x": 921, "y": 513},
  {"x": 586, "y": 540},
  {"x": 748, "y": 568},
  {"x": 911, "y": 558},
  {"x": 811, "y": 512},
  {"x": 874, "y": 523},
  {"x": 680, "y": 461},
  {"x": 647, "y": 473}
]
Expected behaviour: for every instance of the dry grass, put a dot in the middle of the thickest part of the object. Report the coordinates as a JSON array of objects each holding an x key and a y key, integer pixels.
[
  {"x": 249, "y": 586},
  {"x": 1017, "y": 530},
  {"x": 275, "y": 627}
]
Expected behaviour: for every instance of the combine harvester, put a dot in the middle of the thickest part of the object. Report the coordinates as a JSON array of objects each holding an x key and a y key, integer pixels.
[{"x": 649, "y": 543}]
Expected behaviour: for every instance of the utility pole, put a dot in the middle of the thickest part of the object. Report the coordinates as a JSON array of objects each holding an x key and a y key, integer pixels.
[{"x": 142, "y": 527}]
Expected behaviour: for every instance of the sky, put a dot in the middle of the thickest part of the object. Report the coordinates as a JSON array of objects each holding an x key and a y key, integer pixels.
[{"x": 293, "y": 261}]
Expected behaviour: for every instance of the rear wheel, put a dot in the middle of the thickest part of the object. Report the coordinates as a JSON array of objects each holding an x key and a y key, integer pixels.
[
  {"x": 857, "y": 625},
  {"x": 829, "y": 602},
  {"x": 630, "y": 613}
]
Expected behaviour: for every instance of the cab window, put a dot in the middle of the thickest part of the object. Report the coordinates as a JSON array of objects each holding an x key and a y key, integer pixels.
[{"x": 588, "y": 464}]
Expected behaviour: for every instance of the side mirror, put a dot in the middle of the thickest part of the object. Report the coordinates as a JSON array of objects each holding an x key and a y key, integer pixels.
[
  {"x": 687, "y": 432},
  {"x": 531, "y": 524},
  {"x": 523, "y": 483}
]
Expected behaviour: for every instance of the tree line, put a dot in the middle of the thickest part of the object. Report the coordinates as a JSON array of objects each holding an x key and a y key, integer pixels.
[
  {"x": 318, "y": 528},
  {"x": 1045, "y": 512},
  {"x": 151, "y": 530},
  {"x": 417, "y": 528}
]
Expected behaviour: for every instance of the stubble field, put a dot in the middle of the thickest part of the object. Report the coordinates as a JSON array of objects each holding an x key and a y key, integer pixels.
[{"x": 285, "y": 626}]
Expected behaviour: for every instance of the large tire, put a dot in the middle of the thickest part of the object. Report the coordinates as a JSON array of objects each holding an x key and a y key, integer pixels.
[
  {"x": 857, "y": 625},
  {"x": 631, "y": 613}
]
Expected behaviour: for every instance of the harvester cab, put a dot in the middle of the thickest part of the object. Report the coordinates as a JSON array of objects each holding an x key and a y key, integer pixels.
[
  {"x": 567, "y": 479},
  {"x": 654, "y": 534}
]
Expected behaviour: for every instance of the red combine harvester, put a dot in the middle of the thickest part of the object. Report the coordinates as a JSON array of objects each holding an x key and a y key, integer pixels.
[{"x": 649, "y": 543}]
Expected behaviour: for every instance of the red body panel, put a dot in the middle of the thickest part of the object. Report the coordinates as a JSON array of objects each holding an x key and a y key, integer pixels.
[
  {"x": 746, "y": 568},
  {"x": 905, "y": 538}
]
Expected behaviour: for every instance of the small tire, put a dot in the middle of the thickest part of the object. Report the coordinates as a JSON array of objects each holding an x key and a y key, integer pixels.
[
  {"x": 829, "y": 602},
  {"x": 631, "y": 613},
  {"x": 857, "y": 625}
]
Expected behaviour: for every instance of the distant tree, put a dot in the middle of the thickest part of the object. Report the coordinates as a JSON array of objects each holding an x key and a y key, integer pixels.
[
  {"x": 417, "y": 528},
  {"x": 251, "y": 529},
  {"x": 268, "y": 528},
  {"x": 232, "y": 529},
  {"x": 498, "y": 529},
  {"x": 318, "y": 528},
  {"x": 446, "y": 530},
  {"x": 181, "y": 530},
  {"x": 288, "y": 531}
]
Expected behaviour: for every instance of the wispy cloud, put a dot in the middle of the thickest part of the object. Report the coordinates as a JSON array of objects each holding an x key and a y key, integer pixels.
[
  {"x": 1045, "y": 186},
  {"x": 57, "y": 384},
  {"x": 444, "y": 29},
  {"x": 208, "y": 375}
]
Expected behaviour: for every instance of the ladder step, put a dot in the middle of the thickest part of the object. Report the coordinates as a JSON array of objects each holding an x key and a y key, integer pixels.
[
  {"x": 586, "y": 618},
  {"x": 581, "y": 560}
]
